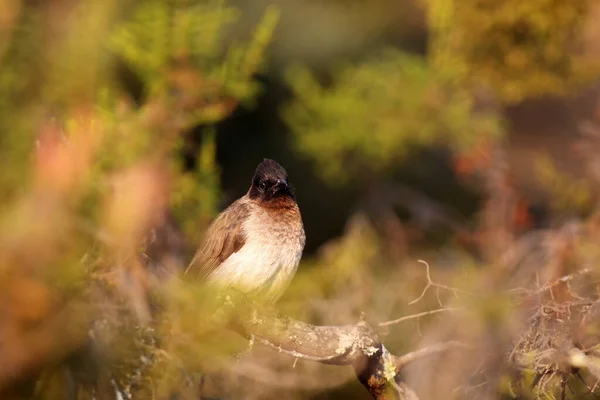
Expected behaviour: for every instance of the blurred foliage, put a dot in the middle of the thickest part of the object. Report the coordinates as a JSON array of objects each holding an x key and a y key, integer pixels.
[
  {"x": 186, "y": 83},
  {"x": 567, "y": 193},
  {"x": 522, "y": 49},
  {"x": 162, "y": 35},
  {"x": 517, "y": 49},
  {"x": 481, "y": 54},
  {"x": 177, "y": 52},
  {"x": 88, "y": 171},
  {"x": 373, "y": 114}
]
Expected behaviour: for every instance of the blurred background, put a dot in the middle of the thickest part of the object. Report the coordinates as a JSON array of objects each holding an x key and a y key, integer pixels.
[{"x": 465, "y": 133}]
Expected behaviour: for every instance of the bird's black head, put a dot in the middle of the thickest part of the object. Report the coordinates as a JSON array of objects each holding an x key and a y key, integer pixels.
[{"x": 270, "y": 182}]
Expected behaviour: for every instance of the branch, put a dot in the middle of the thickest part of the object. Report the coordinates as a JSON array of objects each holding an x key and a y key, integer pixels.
[{"x": 356, "y": 345}]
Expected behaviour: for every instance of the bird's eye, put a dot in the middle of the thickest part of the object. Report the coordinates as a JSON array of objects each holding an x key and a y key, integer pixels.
[{"x": 262, "y": 186}]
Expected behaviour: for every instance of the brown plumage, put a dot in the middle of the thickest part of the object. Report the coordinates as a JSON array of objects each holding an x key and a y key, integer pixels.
[
  {"x": 255, "y": 245},
  {"x": 223, "y": 238}
]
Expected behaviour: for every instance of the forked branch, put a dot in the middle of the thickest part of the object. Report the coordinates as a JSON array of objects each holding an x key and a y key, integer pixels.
[{"x": 356, "y": 345}]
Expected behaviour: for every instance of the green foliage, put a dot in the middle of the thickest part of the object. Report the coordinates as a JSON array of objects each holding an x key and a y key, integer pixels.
[
  {"x": 567, "y": 194},
  {"x": 177, "y": 50},
  {"x": 87, "y": 170},
  {"x": 163, "y": 34},
  {"x": 19, "y": 83},
  {"x": 521, "y": 49},
  {"x": 196, "y": 193},
  {"x": 374, "y": 113}
]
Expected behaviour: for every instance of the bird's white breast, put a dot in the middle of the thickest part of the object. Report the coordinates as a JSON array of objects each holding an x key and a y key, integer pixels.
[{"x": 268, "y": 260}]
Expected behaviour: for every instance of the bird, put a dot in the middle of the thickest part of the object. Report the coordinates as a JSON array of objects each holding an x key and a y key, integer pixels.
[{"x": 255, "y": 244}]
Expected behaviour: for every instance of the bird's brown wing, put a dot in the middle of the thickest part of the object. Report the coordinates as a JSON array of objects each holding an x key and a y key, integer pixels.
[{"x": 223, "y": 238}]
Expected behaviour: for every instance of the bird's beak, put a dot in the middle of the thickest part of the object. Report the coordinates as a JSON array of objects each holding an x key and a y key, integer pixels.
[{"x": 283, "y": 187}]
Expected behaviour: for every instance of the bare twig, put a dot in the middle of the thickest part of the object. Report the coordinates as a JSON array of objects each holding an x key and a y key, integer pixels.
[
  {"x": 431, "y": 283},
  {"x": 408, "y": 358},
  {"x": 563, "y": 279},
  {"x": 282, "y": 378},
  {"x": 418, "y": 315}
]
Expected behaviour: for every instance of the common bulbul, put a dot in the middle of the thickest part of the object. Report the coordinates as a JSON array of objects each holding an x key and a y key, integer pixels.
[{"x": 256, "y": 243}]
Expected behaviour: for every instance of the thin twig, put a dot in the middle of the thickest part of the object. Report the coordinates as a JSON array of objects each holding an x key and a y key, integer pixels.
[
  {"x": 419, "y": 315},
  {"x": 564, "y": 279},
  {"x": 404, "y": 360},
  {"x": 431, "y": 283}
]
